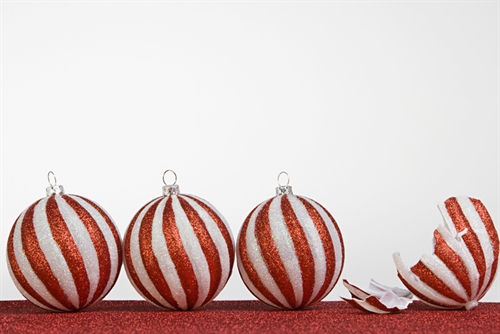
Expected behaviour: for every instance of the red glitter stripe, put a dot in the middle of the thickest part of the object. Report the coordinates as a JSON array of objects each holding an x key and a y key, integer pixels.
[
  {"x": 470, "y": 238},
  {"x": 16, "y": 270},
  {"x": 334, "y": 223},
  {"x": 271, "y": 256},
  {"x": 248, "y": 267},
  {"x": 148, "y": 256},
  {"x": 222, "y": 228},
  {"x": 420, "y": 295},
  {"x": 129, "y": 266},
  {"x": 113, "y": 229},
  {"x": 427, "y": 276},
  {"x": 63, "y": 238},
  {"x": 492, "y": 232},
  {"x": 341, "y": 241},
  {"x": 179, "y": 256},
  {"x": 454, "y": 262},
  {"x": 37, "y": 260},
  {"x": 327, "y": 243},
  {"x": 302, "y": 250},
  {"x": 207, "y": 245},
  {"x": 99, "y": 242}
]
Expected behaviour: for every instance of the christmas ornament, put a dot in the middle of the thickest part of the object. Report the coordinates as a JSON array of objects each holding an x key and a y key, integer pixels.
[
  {"x": 465, "y": 258},
  {"x": 378, "y": 298},
  {"x": 290, "y": 250},
  {"x": 64, "y": 251},
  {"x": 179, "y": 251}
]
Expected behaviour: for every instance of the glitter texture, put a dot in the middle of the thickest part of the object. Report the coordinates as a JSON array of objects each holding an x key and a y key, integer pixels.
[
  {"x": 58, "y": 256},
  {"x": 290, "y": 252},
  {"x": 245, "y": 317},
  {"x": 465, "y": 258},
  {"x": 184, "y": 255}
]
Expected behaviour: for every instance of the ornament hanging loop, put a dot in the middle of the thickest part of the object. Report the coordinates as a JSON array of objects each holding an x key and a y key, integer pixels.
[
  {"x": 170, "y": 189},
  {"x": 284, "y": 189},
  {"x": 54, "y": 187}
]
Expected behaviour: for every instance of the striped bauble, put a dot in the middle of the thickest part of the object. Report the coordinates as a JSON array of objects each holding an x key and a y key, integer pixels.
[
  {"x": 179, "y": 251},
  {"x": 64, "y": 252},
  {"x": 290, "y": 251},
  {"x": 465, "y": 258}
]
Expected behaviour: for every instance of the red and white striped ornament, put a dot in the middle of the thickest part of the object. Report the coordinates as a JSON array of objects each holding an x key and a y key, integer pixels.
[
  {"x": 179, "y": 251},
  {"x": 290, "y": 250},
  {"x": 465, "y": 258},
  {"x": 64, "y": 251}
]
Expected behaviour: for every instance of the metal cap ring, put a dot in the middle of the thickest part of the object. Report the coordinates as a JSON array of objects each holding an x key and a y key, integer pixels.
[{"x": 175, "y": 178}]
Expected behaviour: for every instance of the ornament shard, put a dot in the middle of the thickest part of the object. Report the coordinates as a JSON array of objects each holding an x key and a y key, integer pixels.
[
  {"x": 378, "y": 298},
  {"x": 465, "y": 258}
]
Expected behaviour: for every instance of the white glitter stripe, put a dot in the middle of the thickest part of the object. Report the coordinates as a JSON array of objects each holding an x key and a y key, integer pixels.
[
  {"x": 28, "y": 273},
  {"x": 442, "y": 272},
  {"x": 136, "y": 259},
  {"x": 108, "y": 237},
  {"x": 162, "y": 254},
  {"x": 420, "y": 286},
  {"x": 337, "y": 244},
  {"x": 479, "y": 229},
  {"x": 53, "y": 254},
  {"x": 314, "y": 241},
  {"x": 193, "y": 250},
  {"x": 249, "y": 284},
  {"x": 83, "y": 242},
  {"x": 217, "y": 212},
  {"x": 218, "y": 239},
  {"x": 254, "y": 253},
  {"x": 463, "y": 252},
  {"x": 285, "y": 247}
]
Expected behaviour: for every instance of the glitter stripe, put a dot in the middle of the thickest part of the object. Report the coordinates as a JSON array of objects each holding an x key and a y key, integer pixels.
[
  {"x": 444, "y": 274},
  {"x": 270, "y": 254},
  {"x": 328, "y": 253},
  {"x": 428, "y": 277},
  {"x": 181, "y": 260},
  {"x": 133, "y": 259},
  {"x": 457, "y": 245},
  {"x": 338, "y": 243},
  {"x": 112, "y": 243},
  {"x": 420, "y": 289},
  {"x": 479, "y": 229},
  {"x": 421, "y": 296},
  {"x": 37, "y": 259},
  {"x": 100, "y": 247},
  {"x": 225, "y": 231},
  {"x": 163, "y": 256},
  {"x": 63, "y": 238},
  {"x": 148, "y": 257},
  {"x": 281, "y": 237},
  {"x": 453, "y": 261},
  {"x": 209, "y": 248},
  {"x": 489, "y": 226},
  {"x": 302, "y": 249},
  {"x": 247, "y": 230},
  {"x": 18, "y": 275},
  {"x": 470, "y": 238}
]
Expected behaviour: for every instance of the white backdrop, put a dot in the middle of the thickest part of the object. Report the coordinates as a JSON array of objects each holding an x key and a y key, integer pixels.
[{"x": 377, "y": 110}]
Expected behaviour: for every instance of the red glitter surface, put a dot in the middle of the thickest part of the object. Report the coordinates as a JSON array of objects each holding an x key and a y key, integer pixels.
[{"x": 244, "y": 317}]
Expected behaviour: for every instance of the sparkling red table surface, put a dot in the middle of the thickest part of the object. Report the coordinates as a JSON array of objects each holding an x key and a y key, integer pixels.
[{"x": 244, "y": 317}]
